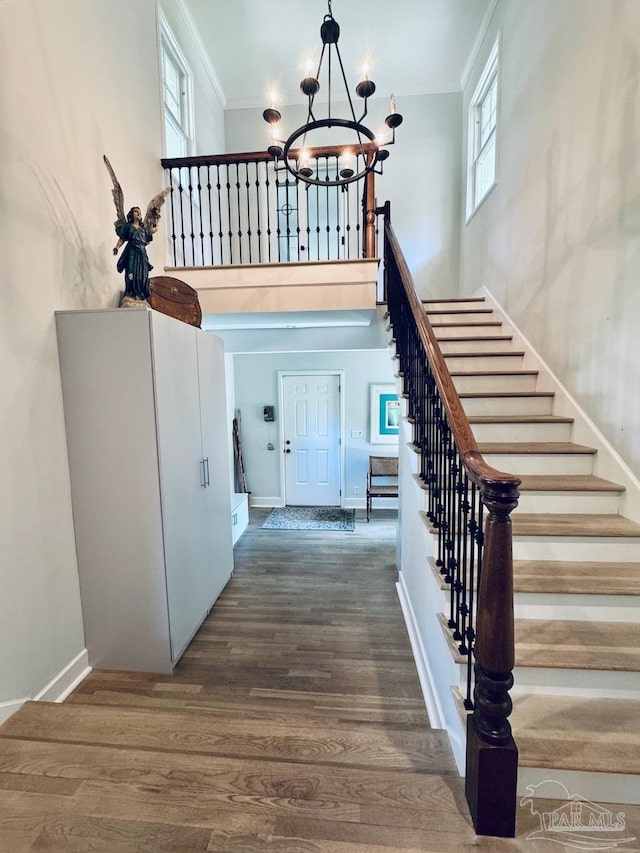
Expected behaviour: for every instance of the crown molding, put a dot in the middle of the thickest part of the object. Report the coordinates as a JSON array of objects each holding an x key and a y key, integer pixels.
[
  {"x": 475, "y": 50},
  {"x": 202, "y": 52}
]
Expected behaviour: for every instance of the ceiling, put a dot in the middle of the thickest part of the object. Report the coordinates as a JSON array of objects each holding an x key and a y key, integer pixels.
[{"x": 414, "y": 46}]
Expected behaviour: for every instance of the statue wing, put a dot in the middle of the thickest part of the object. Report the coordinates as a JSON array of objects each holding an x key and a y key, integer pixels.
[
  {"x": 118, "y": 195},
  {"x": 152, "y": 216}
]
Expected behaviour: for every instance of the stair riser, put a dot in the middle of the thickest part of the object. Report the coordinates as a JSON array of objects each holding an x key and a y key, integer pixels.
[
  {"x": 568, "y": 502},
  {"x": 577, "y": 682},
  {"x": 470, "y": 316},
  {"x": 562, "y": 681},
  {"x": 522, "y": 432},
  {"x": 507, "y": 405},
  {"x": 568, "y": 607},
  {"x": 488, "y": 345},
  {"x": 596, "y": 787},
  {"x": 552, "y": 463},
  {"x": 472, "y": 330},
  {"x": 484, "y": 384},
  {"x": 456, "y": 362},
  {"x": 573, "y": 548}
]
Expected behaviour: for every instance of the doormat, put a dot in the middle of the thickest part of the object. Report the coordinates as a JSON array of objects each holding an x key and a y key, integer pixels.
[{"x": 310, "y": 518}]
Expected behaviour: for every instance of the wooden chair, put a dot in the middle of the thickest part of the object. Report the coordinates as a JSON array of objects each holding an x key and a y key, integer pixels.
[{"x": 381, "y": 468}]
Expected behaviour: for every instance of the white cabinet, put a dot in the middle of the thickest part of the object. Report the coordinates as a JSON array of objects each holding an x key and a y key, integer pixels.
[
  {"x": 144, "y": 402},
  {"x": 239, "y": 515}
]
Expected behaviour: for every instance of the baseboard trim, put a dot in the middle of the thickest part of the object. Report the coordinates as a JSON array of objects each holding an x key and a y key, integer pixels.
[
  {"x": 425, "y": 676},
  {"x": 65, "y": 682},
  {"x": 8, "y": 709},
  {"x": 267, "y": 502}
]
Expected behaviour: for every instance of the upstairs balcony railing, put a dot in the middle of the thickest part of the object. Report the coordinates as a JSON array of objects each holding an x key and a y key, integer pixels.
[{"x": 239, "y": 209}]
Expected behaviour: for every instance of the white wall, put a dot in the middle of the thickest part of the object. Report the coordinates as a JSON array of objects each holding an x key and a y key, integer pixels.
[
  {"x": 256, "y": 385},
  {"x": 557, "y": 241},
  {"x": 77, "y": 80},
  {"x": 421, "y": 177}
]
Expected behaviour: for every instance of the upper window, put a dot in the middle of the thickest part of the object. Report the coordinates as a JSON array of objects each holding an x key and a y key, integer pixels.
[
  {"x": 176, "y": 96},
  {"x": 483, "y": 133}
]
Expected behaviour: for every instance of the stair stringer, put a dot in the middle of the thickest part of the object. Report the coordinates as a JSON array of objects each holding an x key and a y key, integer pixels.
[
  {"x": 608, "y": 463},
  {"x": 422, "y": 601}
]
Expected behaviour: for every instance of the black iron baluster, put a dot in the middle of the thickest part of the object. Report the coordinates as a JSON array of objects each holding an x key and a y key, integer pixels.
[
  {"x": 298, "y": 189},
  {"x": 473, "y": 579},
  {"x": 220, "y": 231},
  {"x": 191, "y": 205},
  {"x": 247, "y": 187},
  {"x": 258, "y": 213},
  {"x": 267, "y": 184},
  {"x": 229, "y": 214},
  {"x": 173, "y": 219},
  {"x": 278, "y": 219},
  {"x": 199, "y": 188},
  {"x": 239, "y": 232},
  {"x": 182, "y": 234},
  {"x": 209, "y": 205},
  {"x": 327, "y": 208},
  {"x": 465, "y": 506}
]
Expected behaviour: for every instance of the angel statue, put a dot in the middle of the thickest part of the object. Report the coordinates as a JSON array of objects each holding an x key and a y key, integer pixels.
[{"x": 136, "y": 232}]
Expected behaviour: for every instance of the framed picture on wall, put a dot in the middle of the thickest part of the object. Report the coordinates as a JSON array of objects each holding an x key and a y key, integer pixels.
[{"x": 384, "y": 415}]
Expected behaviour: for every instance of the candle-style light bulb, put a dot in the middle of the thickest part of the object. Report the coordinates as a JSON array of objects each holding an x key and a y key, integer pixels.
[
  {"x": 366, "y": 68},
  {"x": 308, "y": 67},
  {"x": 392, "y": 105},
  {"x": 273, "y": 99}
]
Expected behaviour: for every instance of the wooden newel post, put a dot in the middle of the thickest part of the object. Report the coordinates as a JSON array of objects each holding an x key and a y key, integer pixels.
[{"x": 492, "y": 755}]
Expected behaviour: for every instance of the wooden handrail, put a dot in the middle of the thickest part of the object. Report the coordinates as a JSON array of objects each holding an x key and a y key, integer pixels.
[
  {"x": 256, "y": 156},
  {"x": 479, "y": 471},
  {"x": 492, "y": 756}
]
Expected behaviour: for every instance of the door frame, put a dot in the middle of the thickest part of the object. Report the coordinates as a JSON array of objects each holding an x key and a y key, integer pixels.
[{"x": 341, "y": 408}]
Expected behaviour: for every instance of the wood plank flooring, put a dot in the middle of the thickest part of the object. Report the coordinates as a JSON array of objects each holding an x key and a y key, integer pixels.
[{"x": 294, "y": 722}]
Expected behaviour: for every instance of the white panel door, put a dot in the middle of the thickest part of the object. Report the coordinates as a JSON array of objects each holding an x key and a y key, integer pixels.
[{"x": 311, "y": 406}]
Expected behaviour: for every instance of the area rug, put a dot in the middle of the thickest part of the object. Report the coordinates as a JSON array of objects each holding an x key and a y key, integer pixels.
[{"x": 310, "y": 518}]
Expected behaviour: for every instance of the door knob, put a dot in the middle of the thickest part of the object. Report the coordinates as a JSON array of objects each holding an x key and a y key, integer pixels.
[{"x": 287, "y": 450}]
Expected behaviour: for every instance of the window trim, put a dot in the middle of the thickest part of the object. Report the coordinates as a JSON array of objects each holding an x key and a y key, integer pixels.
[
  {"x": 170, "y": 47},
  {"x": 490, "y": 73}
]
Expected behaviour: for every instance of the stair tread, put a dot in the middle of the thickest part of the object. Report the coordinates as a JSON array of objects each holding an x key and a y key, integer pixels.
[
  {"x": 576, "y": 578},
  {"x": 572, "y": 733},
  {"x": 222, "y": 735},
  {"x": 480, "y": 353},
  {"x": 573, "y": 524},
  {"x": 533, "y": 447},
  {"x": 567, "y": 482}
]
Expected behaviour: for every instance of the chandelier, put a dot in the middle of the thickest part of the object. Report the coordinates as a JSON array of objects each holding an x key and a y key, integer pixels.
[{"x": 373, "y": 149}]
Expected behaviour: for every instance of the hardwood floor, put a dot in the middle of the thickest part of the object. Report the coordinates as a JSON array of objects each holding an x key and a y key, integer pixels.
[{"x": 294, "y": 722}]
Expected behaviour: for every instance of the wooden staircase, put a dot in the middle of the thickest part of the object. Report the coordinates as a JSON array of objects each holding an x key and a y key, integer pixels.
[{"x": 576, "y": 715}]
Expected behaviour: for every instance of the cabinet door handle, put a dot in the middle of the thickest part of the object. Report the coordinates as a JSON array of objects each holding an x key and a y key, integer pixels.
[
  {"x": 203, "y": 478},
  {"x": 206, "y": 462}
]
